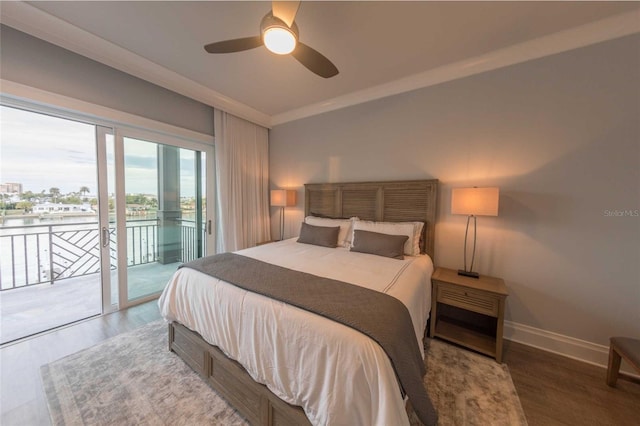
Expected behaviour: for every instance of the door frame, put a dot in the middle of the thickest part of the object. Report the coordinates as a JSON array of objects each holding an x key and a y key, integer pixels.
[{"x": 108, "y": 305}]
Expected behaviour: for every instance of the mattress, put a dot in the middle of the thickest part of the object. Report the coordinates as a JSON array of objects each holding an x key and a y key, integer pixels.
[{"x": 335, "y": 373}]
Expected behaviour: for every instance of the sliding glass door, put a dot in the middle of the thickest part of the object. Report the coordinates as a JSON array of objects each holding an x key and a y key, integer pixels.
[
  {"x": 93, "y": 217},
  {"x": 52, "y": 251},
  {"x": 165, "y": 211}
]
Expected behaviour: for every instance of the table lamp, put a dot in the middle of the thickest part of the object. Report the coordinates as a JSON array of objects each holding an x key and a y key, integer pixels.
[
  {"x": 283, "y": 198},
  {"x": 473, "y": 202}
]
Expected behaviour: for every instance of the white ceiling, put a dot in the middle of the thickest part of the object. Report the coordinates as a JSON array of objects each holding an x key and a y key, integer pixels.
[{"x": 374, "y": 44}]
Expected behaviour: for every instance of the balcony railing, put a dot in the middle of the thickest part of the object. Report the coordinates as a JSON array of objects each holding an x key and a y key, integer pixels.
[{"x": 38, "y": 254}]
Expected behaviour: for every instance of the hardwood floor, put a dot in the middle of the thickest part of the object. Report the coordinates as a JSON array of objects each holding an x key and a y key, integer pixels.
[
  {"x": 554, "y": 390},
  {"x": 22, "y": 400}
]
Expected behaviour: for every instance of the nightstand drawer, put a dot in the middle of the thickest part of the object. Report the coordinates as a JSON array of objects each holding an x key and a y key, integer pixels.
[{"x": 468, "y": 299}]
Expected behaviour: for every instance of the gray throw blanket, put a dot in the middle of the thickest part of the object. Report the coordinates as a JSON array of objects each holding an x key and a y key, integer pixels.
[{"x": 381, "y": 317}]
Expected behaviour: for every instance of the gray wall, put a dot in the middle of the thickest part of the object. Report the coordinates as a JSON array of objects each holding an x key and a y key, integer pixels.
[
  {"x": 560, "y": 136},
  {"x": 36, "y": 63}
]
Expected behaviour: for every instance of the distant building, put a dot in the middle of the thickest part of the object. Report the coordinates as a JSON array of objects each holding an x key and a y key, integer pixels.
[
  {"x": 47, "y": 208},
  {"x": 11, "y": 188},
  {"x": 136, "y": 209}
]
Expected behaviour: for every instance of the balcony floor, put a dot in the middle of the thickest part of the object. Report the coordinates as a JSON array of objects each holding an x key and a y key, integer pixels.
[{"x": 30, "y": 310}]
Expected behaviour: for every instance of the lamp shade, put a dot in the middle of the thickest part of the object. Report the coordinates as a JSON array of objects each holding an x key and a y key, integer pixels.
[
  {"x": 475, "y": 201},
  {"x": 283, "y": 197}
]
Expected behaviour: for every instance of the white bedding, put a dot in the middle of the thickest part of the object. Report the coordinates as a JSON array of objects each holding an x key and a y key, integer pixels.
[{"x": 336, "y": 374}]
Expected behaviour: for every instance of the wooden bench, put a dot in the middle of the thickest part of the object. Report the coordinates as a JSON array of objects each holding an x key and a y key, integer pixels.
[{"x": 622, "y": 347}]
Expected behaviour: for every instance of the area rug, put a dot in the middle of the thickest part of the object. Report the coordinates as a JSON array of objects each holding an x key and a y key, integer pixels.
[{"x": 132, "y": 379}]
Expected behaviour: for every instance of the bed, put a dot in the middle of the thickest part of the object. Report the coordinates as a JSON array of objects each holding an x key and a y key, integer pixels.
[{"x": 305, "y": 359}]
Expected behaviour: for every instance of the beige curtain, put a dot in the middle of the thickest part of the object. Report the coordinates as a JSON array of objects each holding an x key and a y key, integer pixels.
[{"x": 242, "y": 174}]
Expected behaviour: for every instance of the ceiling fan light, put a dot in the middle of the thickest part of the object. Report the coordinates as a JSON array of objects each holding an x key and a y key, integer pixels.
[{"x": 279, "y": 40}]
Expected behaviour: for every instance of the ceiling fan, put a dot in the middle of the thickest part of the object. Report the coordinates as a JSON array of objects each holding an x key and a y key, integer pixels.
[{"x": 279, "y": 34}]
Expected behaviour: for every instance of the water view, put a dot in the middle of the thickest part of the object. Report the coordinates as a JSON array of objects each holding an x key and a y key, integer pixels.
[{"x": 58, "y": 262}]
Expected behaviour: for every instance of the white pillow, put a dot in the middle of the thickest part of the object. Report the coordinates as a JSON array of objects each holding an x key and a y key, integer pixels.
[
  {"x": 413, "y": 230},
  {"x": 345, "y": 236}
]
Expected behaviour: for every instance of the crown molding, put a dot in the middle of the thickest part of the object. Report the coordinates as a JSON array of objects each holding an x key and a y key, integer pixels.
[
  {"x": 606, "y": 29},
  {"x": 37, "y": 23}
]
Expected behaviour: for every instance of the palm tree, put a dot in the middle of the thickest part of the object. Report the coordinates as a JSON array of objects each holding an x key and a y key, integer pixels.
[
  {"x": 84, "y": 190},
  {"x": 54, "y": 192}
]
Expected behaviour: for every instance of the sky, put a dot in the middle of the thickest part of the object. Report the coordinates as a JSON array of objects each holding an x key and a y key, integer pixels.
[{"x": 42, "y": 152}]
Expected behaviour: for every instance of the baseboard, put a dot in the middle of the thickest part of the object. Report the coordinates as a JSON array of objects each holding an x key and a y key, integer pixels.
[{"x": 570, "y": 347}]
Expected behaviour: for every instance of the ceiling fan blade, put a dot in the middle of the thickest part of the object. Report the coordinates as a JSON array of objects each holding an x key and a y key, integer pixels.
[
  {"x": 314, "y": 61},
  {"x": 235, "y": 45},
  {"x": 285, "y": 11}
]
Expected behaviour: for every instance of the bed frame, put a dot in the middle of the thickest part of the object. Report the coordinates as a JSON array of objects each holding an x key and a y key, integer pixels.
[{"x": 396, "y": 201}]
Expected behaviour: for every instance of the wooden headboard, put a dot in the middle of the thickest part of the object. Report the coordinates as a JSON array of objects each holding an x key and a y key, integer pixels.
[{"x": 395, "y": 201}]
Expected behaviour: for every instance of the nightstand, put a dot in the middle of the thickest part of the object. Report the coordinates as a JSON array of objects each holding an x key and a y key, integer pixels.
[{"x": 468, "y": 311}]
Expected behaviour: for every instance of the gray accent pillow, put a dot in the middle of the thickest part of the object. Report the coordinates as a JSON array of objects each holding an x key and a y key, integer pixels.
[
  {"x": 326, "y": 236},
  {"x": 380, "y": 244}
]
